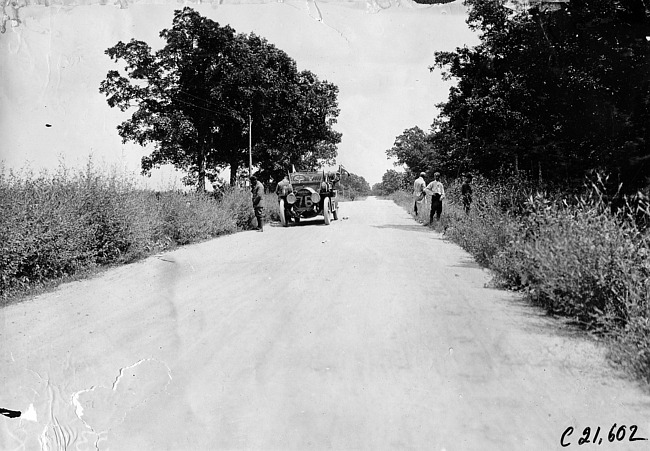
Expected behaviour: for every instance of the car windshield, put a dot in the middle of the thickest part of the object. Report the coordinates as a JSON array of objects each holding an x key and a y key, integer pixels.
[{"x": 306, "y": 177}]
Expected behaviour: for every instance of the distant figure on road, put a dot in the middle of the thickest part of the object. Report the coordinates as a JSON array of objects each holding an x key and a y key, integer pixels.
[
  {"x": 466, "y": 193},
  {"x": 257, "y": 190},
  {"x": 437, "y": 192},
  {"x": 418, "y": 191}
]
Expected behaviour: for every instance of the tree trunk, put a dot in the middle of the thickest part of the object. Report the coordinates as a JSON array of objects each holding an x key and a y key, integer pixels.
[
  {"x": 517, "y": 164},
  {"x": 200, "y": 163},
  {"x": 234, "y": 166}
]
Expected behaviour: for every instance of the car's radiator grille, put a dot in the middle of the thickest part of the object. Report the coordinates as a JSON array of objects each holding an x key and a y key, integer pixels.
[{"x": 303, "y": 199}]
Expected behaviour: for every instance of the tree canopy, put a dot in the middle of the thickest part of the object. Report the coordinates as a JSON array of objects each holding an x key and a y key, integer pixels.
[
  {"x": 391, "y": 181},
  {"x": 194, "y": 100},
  {"x": 552, "y": 92},
  {"x": 411, "y": 149},
  {"x": 353, "y": 185}
]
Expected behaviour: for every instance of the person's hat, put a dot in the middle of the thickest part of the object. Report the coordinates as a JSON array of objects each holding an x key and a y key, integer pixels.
[{"x": 422, "y": 174}]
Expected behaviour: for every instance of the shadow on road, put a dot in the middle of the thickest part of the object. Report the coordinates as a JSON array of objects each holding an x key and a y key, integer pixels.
[
  {"x": 467, "y": 263},
  {"x": 539, "y": 321},
  {"x": 302, "y": 223},
  {"x": 408, "y": 228}
]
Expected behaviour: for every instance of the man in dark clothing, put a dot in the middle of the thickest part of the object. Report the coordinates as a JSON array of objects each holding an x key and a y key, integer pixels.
[
  {"x": 466, "y": 193},
  {"x": 257, "y": 191},
  {"x": 437, "y": 193}
]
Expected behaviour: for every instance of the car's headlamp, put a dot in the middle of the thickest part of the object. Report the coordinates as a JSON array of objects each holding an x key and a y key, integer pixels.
[
  {"x": 315, "y": 198},
  {"x": 291, "y": 198}
]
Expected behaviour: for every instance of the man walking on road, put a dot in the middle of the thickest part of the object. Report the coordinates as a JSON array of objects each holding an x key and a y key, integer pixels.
[
  {"x": 437, "y": 192},
  {"x": 257, "y": 190},
  {"x": 418, "y": 191}
]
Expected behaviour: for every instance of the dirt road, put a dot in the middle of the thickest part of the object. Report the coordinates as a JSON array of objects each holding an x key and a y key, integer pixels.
[{"x": 372, "y": 333}]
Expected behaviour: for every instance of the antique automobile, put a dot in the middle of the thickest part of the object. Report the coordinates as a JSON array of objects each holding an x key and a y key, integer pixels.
[{"x": 310, "y": 194}]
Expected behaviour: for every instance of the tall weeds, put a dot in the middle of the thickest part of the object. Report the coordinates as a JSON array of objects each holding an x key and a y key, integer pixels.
[
  {"x": 568, "y": 254},
  {"x": 55, "y": 225}
]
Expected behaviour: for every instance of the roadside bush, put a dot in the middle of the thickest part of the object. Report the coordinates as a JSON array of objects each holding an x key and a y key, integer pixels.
[
  {"x": 272, "y": 207},
  {"x": 578, "y": 261},
  {"x": 570, "y": 255},
  {"x": 54, "y": 225},
  {"x": 630, "y": 347},
  {"x": 238, "y": 203},
  {"x": 485, "y": 231},
  {"x": 44, "y": 235},
  {"x": 182, "y": 218}
]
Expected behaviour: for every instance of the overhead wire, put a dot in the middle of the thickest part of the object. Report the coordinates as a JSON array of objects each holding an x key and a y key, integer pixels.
[{"x": 230, "y": 113}]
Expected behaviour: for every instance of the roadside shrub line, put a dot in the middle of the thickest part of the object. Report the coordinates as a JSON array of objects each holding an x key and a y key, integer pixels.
[
  {"x": 569, "y": 255},
  {"x": 55, "y": 226}
]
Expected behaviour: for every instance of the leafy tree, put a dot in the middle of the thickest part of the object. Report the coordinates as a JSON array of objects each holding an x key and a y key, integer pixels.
[
  {"x": 303, "y": 137},
  {"x": 412, "y": 149},
  {"x": 439, "y": 150},
  {"x": 393, "y": 181},
  {"x": 354, "y": 185},
  {"x": 194, "y": 99},
  {"x": 551, "y": 92}
]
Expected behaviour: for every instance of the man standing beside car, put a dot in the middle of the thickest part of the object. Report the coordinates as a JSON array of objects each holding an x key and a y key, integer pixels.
[
  {"x": 257, "y": 191},
  {"x": 437, "y": 192},
  {"x": 284, "y": 188}
]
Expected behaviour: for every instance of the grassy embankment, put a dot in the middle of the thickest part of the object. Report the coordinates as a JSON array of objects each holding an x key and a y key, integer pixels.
[
  {"x": 57, "y": 226},
  {"x": 571, "y": 256}
]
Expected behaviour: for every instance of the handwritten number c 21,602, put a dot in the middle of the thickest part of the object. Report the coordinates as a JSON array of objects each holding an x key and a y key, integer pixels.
[{"x": 616, "y": 434}]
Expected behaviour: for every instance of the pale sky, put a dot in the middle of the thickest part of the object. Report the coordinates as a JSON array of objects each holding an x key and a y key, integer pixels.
[{"x": 51, "y": 65}]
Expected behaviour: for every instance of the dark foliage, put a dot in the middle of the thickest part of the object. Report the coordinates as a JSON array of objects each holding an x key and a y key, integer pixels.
[
  {"x": 198, "y": 98},
  {"x": 549, "y": 93},
  {"x": 58, "y": 225}
]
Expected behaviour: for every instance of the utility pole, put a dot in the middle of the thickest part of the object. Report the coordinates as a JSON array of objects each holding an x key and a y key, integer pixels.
[{"x": 250, "y": 145}]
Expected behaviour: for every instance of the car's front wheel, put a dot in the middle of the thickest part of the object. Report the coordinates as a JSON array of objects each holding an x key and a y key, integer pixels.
[{"x": 326, "y": 210}]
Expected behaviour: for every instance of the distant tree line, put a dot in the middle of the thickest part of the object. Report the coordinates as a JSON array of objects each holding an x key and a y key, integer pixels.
[
  {"x": 353, "y": 186},
  {"x": 552, "y": 93},
  {"x": 392, "y": 181},
  {"x": 195, "y": 99}
]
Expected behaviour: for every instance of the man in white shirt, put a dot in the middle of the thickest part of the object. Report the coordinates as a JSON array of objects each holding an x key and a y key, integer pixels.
[
  {"x": 437, "y": 192},
  {"x": 418, "y": 191}
]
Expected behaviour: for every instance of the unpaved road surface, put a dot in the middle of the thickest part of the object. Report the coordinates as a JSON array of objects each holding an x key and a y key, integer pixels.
[{"x": 372, "y": 333}]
